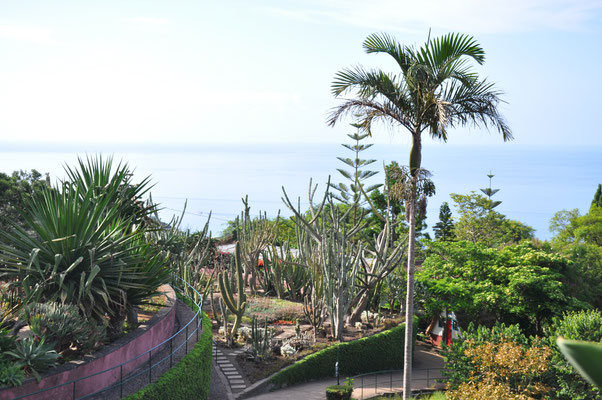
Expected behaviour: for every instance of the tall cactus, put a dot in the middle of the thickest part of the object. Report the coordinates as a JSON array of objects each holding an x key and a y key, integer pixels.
[
  {"x": 261, "y": 340},
  {"x": 254, "y": 235},
  {"x": 328, "y": 243},
  {"x": 235, "y": 305}
]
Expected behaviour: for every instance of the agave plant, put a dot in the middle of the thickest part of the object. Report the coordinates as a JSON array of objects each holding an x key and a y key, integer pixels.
[
  {"x": 34, "y": 357},
  {"x": 84, "y": 250}
]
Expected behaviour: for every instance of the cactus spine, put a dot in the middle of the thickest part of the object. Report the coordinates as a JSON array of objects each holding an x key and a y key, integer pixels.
[{"x": 235, "y": 305}]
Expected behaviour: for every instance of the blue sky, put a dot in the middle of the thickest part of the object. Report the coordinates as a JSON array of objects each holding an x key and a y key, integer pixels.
[{"x": 193, "y": 72}]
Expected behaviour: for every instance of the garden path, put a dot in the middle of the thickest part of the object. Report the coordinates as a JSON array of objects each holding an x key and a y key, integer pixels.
[{"x": 424, "y": 358}]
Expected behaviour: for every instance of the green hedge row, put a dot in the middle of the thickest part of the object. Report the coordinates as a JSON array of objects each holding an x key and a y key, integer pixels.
[
  {"x": 374, "y": 353},
  {"x": 190, "y": 378}
]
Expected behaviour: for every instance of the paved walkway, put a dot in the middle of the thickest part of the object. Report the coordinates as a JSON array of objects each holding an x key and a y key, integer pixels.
[{"x": 426, "y": 369}]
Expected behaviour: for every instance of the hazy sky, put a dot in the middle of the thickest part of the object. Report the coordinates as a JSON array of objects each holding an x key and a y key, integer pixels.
[{"x": 186, "y": 72}]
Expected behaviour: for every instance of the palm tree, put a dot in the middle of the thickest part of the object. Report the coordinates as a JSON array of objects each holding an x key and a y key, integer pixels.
[{"x": 435, "y": 89}]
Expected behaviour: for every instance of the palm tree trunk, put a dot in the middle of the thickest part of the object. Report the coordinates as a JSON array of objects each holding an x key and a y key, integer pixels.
[{"x": 415, "y": 158}]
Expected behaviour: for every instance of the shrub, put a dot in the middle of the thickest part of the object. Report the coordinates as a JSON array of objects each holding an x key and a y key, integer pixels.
[
  {"x": 34, "y": 357},
  {"x": 584, "y": 325},
  {"x": 379, "y": 352},
  {"x": 460, "y": 367},
  {"x": 190, "y": 378},
  {"x": 339, "y": 392},
  {"x": 504, "y": 370},
  {"x": 64, "y": 325},
  {"x": 11, "y": 374},
  {"x": 7, "y": 342}
]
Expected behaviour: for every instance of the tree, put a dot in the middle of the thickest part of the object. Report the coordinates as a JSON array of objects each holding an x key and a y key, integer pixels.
[
  {"x": 435, "y": 89},
  {"x": 352, "y": 193},
  {"x": 516, "y": 284},
  {"x": 15, "y": 190},
  {"x": 444, "y": 229},
  {"x": 489, "y": 192},
  {"x": 579, "y": 237},
  {"x": 597, "y": 201},
  {"x": 479, "y": 223}
]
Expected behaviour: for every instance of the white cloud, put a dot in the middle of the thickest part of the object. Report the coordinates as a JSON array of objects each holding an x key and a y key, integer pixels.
[
  {"x": 27, "y": 33},
  {"x": 150, "y": 20},
  {"x": 475, "y": 16}
]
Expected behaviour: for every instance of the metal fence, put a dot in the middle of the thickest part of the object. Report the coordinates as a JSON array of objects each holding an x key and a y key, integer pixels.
[
  {"x": 129, "y": 377},
  {"x": 391, "y": 381}
]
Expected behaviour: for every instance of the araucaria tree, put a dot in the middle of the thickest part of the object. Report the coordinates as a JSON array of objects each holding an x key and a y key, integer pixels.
[{"x": 435, "y": 88}]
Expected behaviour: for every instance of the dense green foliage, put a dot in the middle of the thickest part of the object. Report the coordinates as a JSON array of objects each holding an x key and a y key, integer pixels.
[
  {"x": 190, "y": 378},
  {"x": 11, "y": 374},
  {"x": 15, "y": 190},
  {"x": 585, "y": 325},
  {"x": 597, "y": 201},
  {"x": 375, "y": 353},
  {"x": 515, "y": 284},
  {"x": 478, "y": 222},
  {"x": 585, "y": 357},
  {"x": 579, "y": 238},
  {"x": 339, "y": 392}
]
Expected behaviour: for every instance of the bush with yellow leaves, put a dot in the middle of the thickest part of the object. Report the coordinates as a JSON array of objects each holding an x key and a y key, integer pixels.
[{"x": 504, "y": 370}]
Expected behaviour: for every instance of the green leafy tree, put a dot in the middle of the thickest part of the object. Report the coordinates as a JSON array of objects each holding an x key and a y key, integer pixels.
[
  {"x": 516, "y": 284},
  {"x": 444, "y": 229},
  {"x": 15, "y": 190},
  {"x": 583, "y": 325},
  {"x": 579, "y": 237},
  {"x": 479, "y": 223},
  {"x": 597, "y": 201},
  {"x": 435, "y": 88}
]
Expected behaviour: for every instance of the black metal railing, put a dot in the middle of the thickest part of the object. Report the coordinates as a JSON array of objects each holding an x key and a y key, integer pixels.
[
  {"x": 391, "y": 381},
  {"x": 145, "y": 368}
]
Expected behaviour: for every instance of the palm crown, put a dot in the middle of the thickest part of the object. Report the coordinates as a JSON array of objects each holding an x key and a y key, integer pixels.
[{"x": 436, "y": 89}]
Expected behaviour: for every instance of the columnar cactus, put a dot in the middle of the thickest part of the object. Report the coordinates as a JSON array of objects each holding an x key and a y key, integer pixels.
[
  {"x": 261, "y": 340},
  {"x": 235, "y": 305},
  {"x": 327, "y": 242},
  {"x": 254, "y": 236}
]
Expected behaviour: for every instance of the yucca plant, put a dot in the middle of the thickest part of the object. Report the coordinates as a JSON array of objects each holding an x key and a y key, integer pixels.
[
  {"x": 84, "y": 250},
  {"x": 101, "y": 178}
]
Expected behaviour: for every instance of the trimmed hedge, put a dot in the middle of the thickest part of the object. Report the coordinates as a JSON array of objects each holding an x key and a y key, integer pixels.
[
  {"x": 374, "y": 353},
  {"x": 188, "y": 379},
  {"x": 339, "y": 392}
]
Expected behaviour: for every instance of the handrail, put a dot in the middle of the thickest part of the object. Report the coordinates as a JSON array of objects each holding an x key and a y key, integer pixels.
[
  {"x": 197, "y": 316},
  {"x": 374, "y": 384}
]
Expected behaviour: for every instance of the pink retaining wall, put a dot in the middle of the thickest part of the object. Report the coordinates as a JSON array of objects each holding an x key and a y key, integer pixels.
[{"x": 156, "y": 330}]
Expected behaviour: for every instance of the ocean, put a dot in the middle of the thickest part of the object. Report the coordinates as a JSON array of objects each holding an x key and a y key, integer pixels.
[{"x": 534, "y": 181}]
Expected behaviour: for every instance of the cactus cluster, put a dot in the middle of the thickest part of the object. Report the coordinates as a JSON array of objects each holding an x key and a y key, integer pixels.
[
  {"x": 261, "y": 340},
  {"x": 236, "y": 304}
]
